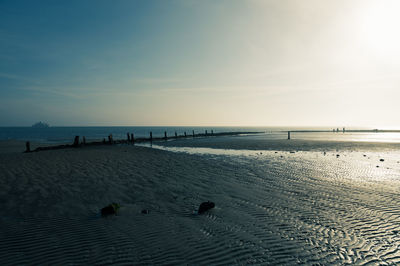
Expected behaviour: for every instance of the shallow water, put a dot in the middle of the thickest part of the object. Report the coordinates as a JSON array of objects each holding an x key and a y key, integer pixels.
[{"x": 318, "y": 141}]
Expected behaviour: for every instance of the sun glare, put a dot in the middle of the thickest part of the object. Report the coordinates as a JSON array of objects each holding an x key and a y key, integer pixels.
[{"x": 379, "y": 27}]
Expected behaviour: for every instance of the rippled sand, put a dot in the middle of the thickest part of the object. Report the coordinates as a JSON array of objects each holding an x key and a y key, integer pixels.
[{"x": 272, "y": 206}]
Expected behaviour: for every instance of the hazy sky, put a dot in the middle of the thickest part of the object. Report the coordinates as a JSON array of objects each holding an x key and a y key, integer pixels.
[{"x": 229, "y": 63}]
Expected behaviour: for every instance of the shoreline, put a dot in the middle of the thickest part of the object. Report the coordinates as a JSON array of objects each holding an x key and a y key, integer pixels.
[
  {"x": 78, "y": 143},
  {"x": 236, "y": 142}
]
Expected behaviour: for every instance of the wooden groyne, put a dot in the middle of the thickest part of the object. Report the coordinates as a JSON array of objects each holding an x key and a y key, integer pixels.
[{"x": 77, "y": 143}]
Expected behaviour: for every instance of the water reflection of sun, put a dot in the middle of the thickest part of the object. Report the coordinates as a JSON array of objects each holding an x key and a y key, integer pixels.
[{"x": 377, "y": 137}]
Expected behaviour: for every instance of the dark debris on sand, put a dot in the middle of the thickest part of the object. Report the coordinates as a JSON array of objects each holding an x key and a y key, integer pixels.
[{"x": 205, "y": 206}]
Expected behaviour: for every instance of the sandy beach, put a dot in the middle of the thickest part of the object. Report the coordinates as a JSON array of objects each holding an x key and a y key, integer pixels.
[{"x": 272, "y": 206}]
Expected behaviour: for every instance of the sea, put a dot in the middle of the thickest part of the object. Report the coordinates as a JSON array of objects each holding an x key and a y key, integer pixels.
[{"x": 58, "y": 135}]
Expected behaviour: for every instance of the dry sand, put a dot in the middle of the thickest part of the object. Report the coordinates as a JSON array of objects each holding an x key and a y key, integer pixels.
[{"x": 272, "y": 207}]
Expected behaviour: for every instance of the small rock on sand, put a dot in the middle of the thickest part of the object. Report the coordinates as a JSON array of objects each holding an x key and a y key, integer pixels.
[
  {"x": 205, "y": 206},
  {"x": 110, "y": 209}
]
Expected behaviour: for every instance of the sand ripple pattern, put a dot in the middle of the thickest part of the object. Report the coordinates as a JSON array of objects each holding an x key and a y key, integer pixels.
[{"x": 271, "y": 209}]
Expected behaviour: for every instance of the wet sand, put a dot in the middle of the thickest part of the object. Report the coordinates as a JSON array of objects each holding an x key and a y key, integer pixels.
[
  {"x": 261, "y": 142},
  {"x": 272, "y": 207}
]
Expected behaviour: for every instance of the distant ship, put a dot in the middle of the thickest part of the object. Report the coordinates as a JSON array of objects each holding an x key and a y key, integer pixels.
[{"x": 40, "y": 125}]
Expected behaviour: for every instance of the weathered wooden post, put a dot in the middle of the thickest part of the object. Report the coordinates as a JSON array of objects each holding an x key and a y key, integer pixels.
[
  {"x": 129, "y": 137},
  {"x": 165, "y": 134},
  {"x": 212, "y": 132},
  {"x": 110, "y": 139},
  {"x": 176, "y": 135},
  {"x": 185, "y": 134},
  {"x": 151, "y": 136},
  {"x": 76, "y": 141},
  {"x": 288, "y": 135},
  {"x": 132, "y": 138},
  {"x": 206, "y": 132},
  {"x": 28, "y": 146},
  {"x": 193, "y": 133}
]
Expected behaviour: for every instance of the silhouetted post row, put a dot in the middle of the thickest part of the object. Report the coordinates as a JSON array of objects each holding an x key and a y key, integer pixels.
[{"x": 130, "y": 139}]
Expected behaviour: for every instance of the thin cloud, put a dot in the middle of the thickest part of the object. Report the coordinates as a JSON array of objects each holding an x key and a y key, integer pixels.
[{"x": 18, "y": 78}]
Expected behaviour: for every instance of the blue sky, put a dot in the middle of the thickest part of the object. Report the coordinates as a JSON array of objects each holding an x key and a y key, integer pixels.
[{"x": 254, "y": 63}]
